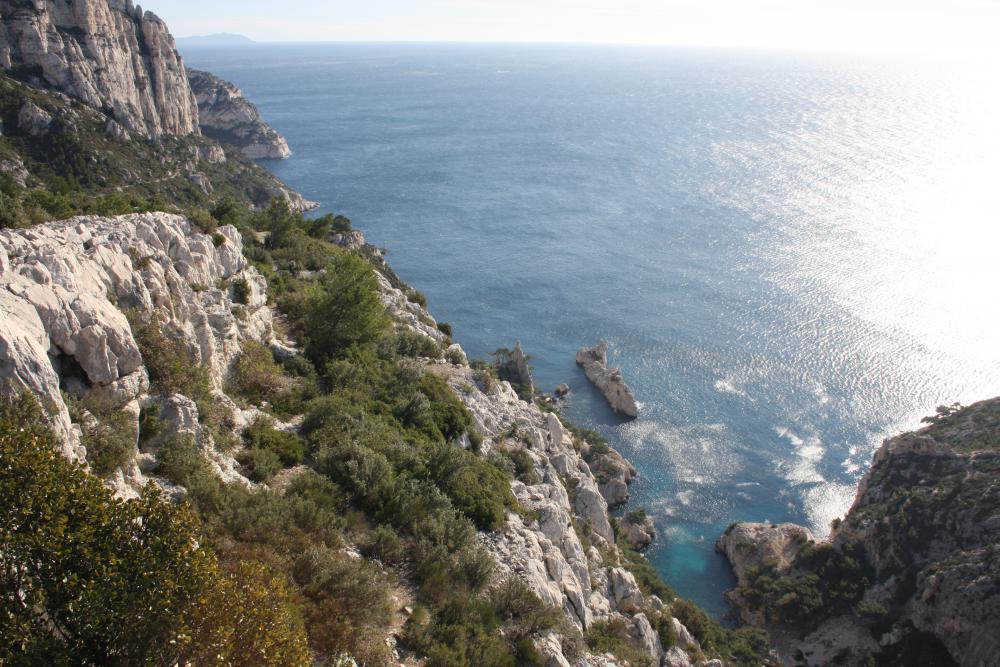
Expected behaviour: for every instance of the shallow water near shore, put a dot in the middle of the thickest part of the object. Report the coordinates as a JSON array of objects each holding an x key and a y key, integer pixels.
[{"x": 791, "y": 256}]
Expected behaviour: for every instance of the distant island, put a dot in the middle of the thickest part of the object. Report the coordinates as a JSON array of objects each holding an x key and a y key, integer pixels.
[{"x": 218, "y": 39}]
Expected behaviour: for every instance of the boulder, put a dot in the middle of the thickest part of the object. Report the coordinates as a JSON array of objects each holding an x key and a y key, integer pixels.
[{"x": 33, "y": 120}]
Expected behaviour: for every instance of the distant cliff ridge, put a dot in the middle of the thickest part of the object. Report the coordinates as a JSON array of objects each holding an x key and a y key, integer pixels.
[
  {"x": 227, "y": 116},
  {"x": 108, "y": 53},
  {"x": 217, "y": 39}
]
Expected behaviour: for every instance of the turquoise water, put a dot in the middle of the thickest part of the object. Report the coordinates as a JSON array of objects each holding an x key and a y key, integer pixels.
[{"x": 792, "y": 256}]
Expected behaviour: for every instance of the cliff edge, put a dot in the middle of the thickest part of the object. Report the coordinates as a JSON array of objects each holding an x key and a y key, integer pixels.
[{"x": 912, "y": 571}]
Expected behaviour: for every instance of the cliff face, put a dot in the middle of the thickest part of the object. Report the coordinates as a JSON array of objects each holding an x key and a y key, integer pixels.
[
  {"x": 922, "y": 538},
  {"x": 228, "y": 117},
  {"x": 108, "y": 53},
  {"x": 65, "y": 289}
]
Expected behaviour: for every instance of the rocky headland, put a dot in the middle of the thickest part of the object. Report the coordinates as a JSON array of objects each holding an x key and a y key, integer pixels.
[
  {"x": 609, "y": 381},
  {"x": 909, "y": 576},
  {"x": 228, "y": 117}
]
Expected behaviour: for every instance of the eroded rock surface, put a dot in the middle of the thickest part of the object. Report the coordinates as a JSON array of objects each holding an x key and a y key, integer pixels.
[
  {"x": 65, "y": 288},
  {"x": 108, "y": 53}
]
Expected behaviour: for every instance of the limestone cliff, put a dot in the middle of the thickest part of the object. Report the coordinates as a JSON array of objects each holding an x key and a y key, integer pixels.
[
  {"x": 108, "y": 53},
  {"x": 65, "y": 289},
  {"x": 228, "y": 117},
  {"x": 916, "y": 557}
]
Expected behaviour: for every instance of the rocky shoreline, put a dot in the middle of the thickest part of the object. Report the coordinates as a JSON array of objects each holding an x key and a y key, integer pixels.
[{"x": 914, "y": 556}]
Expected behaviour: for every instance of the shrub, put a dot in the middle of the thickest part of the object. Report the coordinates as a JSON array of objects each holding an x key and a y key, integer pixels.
[
  {"x": 110, "y": 442},
  {"x": 261, "y": 435},
  {"x": 348, "y": 604},
  {"x": 241, "y": 291},
  {"x": 524, "y": 467},
  {"x": 481, "y": 492},
  {"x": 172, "y": 367},
  {"x": 445, "y": 328},
  {"x": 203, "y": 220},
  {"x": 612, "y": 637},
  {"x": 344, "y": 309},
  {"x": 454, "y": 356},
  {"x": 253, "y": 620},
  {"x": 255, "y": 376},
  {"x": 385, "y": 546},
  {"x": 261, "y": 464},
  {"x": 413, "y": 344},
  {"x": 111, "y": 582},
  {"x": 180, "y": 459},
  {"x": 417, "y": 297}
]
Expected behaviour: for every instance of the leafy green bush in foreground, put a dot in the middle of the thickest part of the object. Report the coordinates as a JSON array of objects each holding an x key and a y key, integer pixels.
[{"x": 89, "y": 579}]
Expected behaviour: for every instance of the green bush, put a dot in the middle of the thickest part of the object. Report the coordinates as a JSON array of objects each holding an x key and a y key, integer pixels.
[
  {"x": 69, "y": 587},
  {"x": 180, "y": 459},
  {"x": 241, "y": 291},
  {"x": 385, "y": 546},
  {"x": 343, "y": 310},
  {"x": 255, "y": 376},
  {"x": 171, "y": 365},
  {"x": 612, "y": 637},
  {"x": 110, "y": 441},
  {"x": 261, "y": 464},
  {"x": 413, "y": 344},
  {"x": 417, "y": 297},
  {"x": 203, "y": 220},
  {"x": 261, "y": 435}
]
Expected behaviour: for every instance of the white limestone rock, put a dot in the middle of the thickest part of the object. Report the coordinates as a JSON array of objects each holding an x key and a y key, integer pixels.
[
  {"x": 106, "y": 53},
  {"x": 64, "y": 287},
  {"x": 609, "y": 381},
  {"x": 33, "y": 120}
]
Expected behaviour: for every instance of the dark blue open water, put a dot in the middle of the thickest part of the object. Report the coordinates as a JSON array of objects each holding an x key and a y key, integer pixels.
[{"x": 792, "y": 256}]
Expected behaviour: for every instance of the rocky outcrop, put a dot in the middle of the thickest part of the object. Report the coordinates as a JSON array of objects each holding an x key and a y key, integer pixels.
[
  {"x": 108, "y": 53},
  {"x": 637, "y": 530},
  {"x": 65, "y": 288},
  {"x": 228, "y": 117},
  {"x": 609, "y": 381},
  {"x": 513, "y": 367},
  {"x": 926, "y": 524}
]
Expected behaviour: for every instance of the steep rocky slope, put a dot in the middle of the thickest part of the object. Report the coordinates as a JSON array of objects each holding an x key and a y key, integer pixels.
[
  {"x": 63, "y": 157},
  {"x": 69, "y": 295},
  {"x": 108, "y": 53},
  {"x": 229, "y": 117},
  {"x": 66, "y": 289},
  {"x": 911, "y": 573}
]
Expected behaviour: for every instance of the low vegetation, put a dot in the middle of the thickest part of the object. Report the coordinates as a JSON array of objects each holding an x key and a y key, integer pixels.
[{"x": 116, "y": 582}]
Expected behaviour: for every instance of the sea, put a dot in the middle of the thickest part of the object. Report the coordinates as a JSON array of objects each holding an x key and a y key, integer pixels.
[{"x": 792, "y": 256}]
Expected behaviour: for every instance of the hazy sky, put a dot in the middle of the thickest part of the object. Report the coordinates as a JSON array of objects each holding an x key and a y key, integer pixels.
[{"x": 818, "y": 24}]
